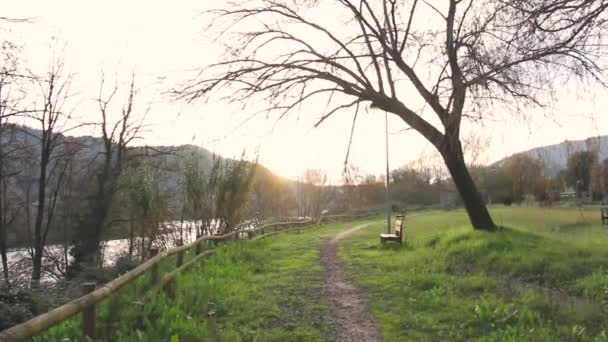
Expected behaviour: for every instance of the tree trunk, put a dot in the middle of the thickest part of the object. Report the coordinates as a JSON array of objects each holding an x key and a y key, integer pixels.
[
  {"x": 131, "y": 237},
  {"x": 66, "y": 246},
  {"x": 37, "y": 266},
  {"x": 5, "y": 266},
  {"x": 181, "y": 228},
  {"x": 142, "y": 237},
  {"x": 3, "y": 234},
  {"x": 3, "y": 243},
  {"x": 473, "y": 202},
  {"x": 40, "y": 210}
]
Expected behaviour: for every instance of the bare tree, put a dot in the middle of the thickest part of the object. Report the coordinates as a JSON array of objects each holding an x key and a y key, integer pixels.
[
  {"x": 430, "y": 64},
  {"x": 351, "y": 177},
  {"x": 10, "y": 97},
  {"x": 116, "y": 137},
  {"x": 362, "y": 191},
  {"x": 71, "y": 193},
  {"x": 7, "y": 216},
  {"x": 52, "y": 120},
  {"x": 316, "y": 191},
  {"x": 475, "y": 148}
]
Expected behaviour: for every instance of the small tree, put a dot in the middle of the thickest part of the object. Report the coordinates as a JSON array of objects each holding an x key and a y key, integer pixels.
[
  {"x": 200, "y": 188},
  {"x": 580, "y": 166},
  {"x": 217, "y": 198},
  {"x": 372, "y": 192},
  {"x": 234, "y": 188},
  {"x": 317, "y": 192},
  {"x": 146, "y": 204},
  {"x": 600, "y": 177},
  {"x": 411, "y": 186},
  {"x": 526, "y": 176},
  {"x": 72, "y": 194},
  {"x": 351, "y": 178}
]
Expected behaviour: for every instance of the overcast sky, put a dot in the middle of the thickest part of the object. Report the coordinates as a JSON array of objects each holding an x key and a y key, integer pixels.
[{"x": 161, "y": 40}]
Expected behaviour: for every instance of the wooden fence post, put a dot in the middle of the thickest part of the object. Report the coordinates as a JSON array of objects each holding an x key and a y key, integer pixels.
[
  {"x": 180, "y": 255},
  {"x": 197, "y": 248},
  {"x": 88, "y": 314},
  {"x": 154, "y": 271}
]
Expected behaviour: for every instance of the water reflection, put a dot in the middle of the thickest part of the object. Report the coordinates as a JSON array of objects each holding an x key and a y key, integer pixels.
[{"x": 57, "y": 257}]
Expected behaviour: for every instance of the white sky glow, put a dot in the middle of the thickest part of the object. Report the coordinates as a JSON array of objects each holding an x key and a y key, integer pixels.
[{"x": 160, "y": 40}]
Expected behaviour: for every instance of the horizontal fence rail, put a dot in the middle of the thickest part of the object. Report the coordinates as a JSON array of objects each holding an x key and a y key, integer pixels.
[{"x": 86, "y": 303}]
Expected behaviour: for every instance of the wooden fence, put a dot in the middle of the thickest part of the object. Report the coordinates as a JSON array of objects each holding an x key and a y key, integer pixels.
[{"x": 91, "y": 296}]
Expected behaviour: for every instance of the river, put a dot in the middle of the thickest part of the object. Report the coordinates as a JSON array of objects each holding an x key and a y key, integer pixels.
[{"x": 54, "y": 261}]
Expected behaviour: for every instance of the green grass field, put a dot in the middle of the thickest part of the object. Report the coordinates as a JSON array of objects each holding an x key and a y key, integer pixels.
[{"x": 543, "y": 277}]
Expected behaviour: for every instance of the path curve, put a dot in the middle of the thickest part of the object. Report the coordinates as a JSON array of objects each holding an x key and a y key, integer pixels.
[{"x": 351, "y": 317}]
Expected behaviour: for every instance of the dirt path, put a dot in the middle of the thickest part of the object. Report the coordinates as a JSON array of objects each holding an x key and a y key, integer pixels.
[{"x": 351, "y": 317}]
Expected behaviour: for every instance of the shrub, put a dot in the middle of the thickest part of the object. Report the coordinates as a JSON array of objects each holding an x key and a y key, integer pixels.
[
  {"x": 124, "y": 264},
  {"x": 16, "y": 306}
]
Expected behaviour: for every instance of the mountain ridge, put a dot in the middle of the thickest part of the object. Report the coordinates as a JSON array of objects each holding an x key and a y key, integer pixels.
[{"x": 555, "y": 156}]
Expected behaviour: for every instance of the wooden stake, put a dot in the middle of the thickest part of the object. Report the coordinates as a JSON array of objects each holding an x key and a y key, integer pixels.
[
  {"x": 154, "y": 271},
  {"x": 88, "y": 314},
  {"x": 180, "y": 256}
]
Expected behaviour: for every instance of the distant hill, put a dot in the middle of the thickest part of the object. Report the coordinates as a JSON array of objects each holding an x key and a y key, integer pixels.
[
  {"x": 167, "y": 161},
  {"x": 167, "y": 158},
  {"x": 22, "y": 147},
  {"x": 91, "y": 146},
  {"x": 555, "y": 157}
]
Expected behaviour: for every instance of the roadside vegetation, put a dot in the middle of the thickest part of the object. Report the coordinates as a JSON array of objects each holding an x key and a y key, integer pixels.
[
  {"x": 264, "y": 290},
  {"x": 541, "y": 277}
]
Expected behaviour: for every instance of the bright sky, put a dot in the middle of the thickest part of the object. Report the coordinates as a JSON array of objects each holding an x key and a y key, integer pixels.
[{"x": 162, "y": 39}]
